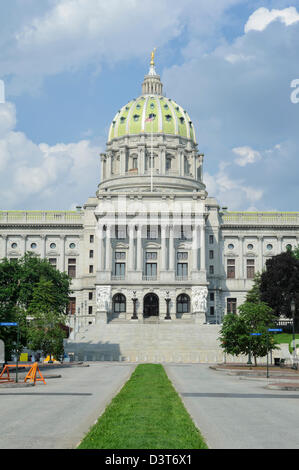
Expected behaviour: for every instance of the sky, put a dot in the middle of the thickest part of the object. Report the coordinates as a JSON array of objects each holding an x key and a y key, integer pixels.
[{"x": 67, "y": 67}]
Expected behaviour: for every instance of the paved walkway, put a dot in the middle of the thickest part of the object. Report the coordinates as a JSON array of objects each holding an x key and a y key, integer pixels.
[
  {"x": 58, "y": 415},
  {"x": 237, "y": 414}
]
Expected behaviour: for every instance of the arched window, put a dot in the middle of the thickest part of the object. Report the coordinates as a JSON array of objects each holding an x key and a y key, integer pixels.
[
  {"x": 183, "y": 303},
  {"x": 119, "y": 303}
]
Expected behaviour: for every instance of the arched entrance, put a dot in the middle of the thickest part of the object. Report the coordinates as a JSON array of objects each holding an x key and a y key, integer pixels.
[{"x": 151, "y": 305}]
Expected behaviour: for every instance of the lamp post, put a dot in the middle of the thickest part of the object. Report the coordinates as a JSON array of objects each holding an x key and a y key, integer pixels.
[
  {"x": 167, "y": 300},
  {"x": 293, "y": 310},
  {"x": 134, "y": 299}
]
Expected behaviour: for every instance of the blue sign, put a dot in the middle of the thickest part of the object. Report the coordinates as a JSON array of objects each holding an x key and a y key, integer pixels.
[
  {"x": 275, "y": 329},
  {"x": 8, "y": 324},
  {"x": 255, "y": 334}
]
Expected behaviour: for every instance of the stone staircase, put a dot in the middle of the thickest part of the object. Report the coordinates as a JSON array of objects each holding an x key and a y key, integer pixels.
[{"x": 147, "y": 342}]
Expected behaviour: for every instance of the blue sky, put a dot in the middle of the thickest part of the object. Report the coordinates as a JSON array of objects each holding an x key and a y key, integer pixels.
[{"x": 69, "y": 65}]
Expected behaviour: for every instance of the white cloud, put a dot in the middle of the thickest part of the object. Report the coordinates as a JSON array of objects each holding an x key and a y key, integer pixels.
[
  {"x": 246, "y": 155},
  {"x": 33, "y": 174},
  {"x": 262, "y": 17}
]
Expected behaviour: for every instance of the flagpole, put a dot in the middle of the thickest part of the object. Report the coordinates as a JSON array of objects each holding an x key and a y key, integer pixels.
[{"x": 152, "y": 157}]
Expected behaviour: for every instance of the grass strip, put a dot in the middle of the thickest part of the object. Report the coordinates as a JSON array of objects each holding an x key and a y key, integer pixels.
[{"x": 146, "y": 414}]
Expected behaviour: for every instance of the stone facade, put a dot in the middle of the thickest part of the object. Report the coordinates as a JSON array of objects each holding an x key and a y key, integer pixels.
[{"x": 151, "y": 244}]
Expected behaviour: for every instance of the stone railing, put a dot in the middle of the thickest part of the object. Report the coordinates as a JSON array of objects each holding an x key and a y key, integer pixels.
[
  {"x": 41, "y": 217},
  {"x": 261, "y": 218}
]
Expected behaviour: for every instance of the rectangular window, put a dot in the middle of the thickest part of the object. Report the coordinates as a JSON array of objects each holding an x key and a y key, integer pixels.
[
  {"x": 231, "y": 269},
  {"x": 90, "y": 310},
  {"x": 120, "y": 232},
  {"x": 152, "y": 232},
  {"x": 232, "y": 306},
  {"x": 211, "y": 269},
  {"x": 211, "y": 254},
  {"x": 151, "y": 269},
  {"x": 250, "y": 269},
  {"x": 211, "y": 239},
  {"x": 120, "y": 269},
  {"x": 90, "y": 253},
  {"x": 120, "y": 255},
  {"x": 71, "y": 310},
  {"x": 212, "y": 296},
  {"x": 182, "y": 269},
  {"x": 72, "y": 267},
  {"x": 91, "y": 269},
  {"x": 53, "y": 262},
  {"x": 91, "y": 238},
  {"x": 212, "y": 310},
  {"x": 90, "y": 295}
]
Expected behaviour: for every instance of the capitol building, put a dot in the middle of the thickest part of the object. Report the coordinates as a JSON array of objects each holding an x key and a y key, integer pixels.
[{"x": 155, "y": 261}]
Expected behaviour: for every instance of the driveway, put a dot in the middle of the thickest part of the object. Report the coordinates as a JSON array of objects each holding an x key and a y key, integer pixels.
[
  {"x": 58, "y": 415},
  {"x": 234, "y": 413}
]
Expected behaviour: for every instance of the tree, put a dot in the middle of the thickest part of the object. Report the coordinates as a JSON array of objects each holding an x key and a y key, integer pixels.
[
  {"x": 18, "y": 281},
  {"x": 45, "y": 330},
  {"x": 280, "y": 283},
  {"x": 235, "y": 334},
  {"x": 254, "y": 294}
]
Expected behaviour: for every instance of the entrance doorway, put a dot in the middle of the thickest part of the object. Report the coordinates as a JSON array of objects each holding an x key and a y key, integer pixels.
[{"x": 151, "y": 305}]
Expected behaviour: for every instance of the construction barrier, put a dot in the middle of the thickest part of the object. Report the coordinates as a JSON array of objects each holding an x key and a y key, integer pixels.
[{"x": 31, "y": 376}]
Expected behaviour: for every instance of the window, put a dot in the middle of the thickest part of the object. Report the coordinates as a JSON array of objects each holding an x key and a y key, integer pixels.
[
  {"x": 212, "y": 310},
  {"x": 33, "y": 246},
  {"x": 289, "y": 247},
  {"x": 120, "y": 255},
  {"x": 136, "y": 117},
  {"x": 182, "y": 120},
  {"x": 71, "y": 310},
  {"x": 53, "y": 246},
  {"x": 72, "y": 267},
  {"x": 91, "y": 269},
  {"x": 168, "y": 163},
  {"x": 232, "y": 306},
  {"x": 182, "y": 269},
  {"x": 250, "y": 246},
  {"x": 211, "y": 254},
  {"x": 72, "y": 246},
  {"x": 211, "y": 269},
  {"x": 90, "y": 253},
  {"x": 151, "y": 269},
  {"x": 152, "y": 232},
  {"x": 250, "y": 269},
  {"x": 135, "y": 163},
  {"x": 91, "y": 238},
  {"x": 120, "y": 232},
  {"x": 182, "y": 255},
  {"x": 231, "y": 246},
  {"x": 151, "y": 255},
  {"x": 269, "y": 247},
  {"x": 14, "y": 245},
  {"x": 53, "y": 262},
  {"x": 119, "y": 303},
  {"x": 212, "y": 296},
  {"x": 231, "y": 268},
  {"x": 168, "y": 117},
  {"x": 90, "y": 295},
  {"x": 183, "y": 303},
  {"x": 211, "y": 239},
  {"x": 120, "y": 269},
  {"x": 90, "y": 310}
]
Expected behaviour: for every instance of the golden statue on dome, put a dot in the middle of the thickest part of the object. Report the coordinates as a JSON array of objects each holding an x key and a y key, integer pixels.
[{"x": 153, "y": 57}]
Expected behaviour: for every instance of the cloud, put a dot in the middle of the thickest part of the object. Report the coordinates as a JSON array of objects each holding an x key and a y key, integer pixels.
[
  {"x": 262, "y": 17},
  {"x": 42, "y": 176},
  {"x": 246, "y": 155}
]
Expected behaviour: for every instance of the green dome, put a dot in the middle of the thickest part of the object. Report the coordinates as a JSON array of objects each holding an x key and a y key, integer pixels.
[{"x": 168, "y": 118}]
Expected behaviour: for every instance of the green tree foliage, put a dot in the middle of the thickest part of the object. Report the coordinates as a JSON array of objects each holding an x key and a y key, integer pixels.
[
  {"x": 253, "y": 318},
  {"x": 280, "y": 283},
  {"x": 254, "y": 294},
  {"x": 45, "y": 330},
  {"x": 18, "y": 280}
]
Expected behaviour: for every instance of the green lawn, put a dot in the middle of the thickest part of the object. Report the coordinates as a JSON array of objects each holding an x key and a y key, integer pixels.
[
  {"x": 146, "y": 414},
  {"x": 287, "y": 338}
]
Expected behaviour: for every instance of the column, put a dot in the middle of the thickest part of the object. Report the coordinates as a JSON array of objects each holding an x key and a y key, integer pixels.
[
  {"x": 131, "y": 230},
  {"x": 171, "y": 249},
  {"x": 101, "y": 249},
  {"x": 241, "y": 241},
  {"x": 108, "y": 265},
  {"x": 5, "y": 246},
  {"x": 163, "y": 248},
  {"x": 260, "y": 249},
  {"x": 139, "y": 253},
  {"x": 62, "y": 261},
  {"x": 44, "y": 241},
  {"x": 202, "y": 248},
  {"x": 195, "y": 236}
]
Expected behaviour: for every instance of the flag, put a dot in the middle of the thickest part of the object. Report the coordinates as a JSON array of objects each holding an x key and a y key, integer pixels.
[{"x": 150, "y": 118}]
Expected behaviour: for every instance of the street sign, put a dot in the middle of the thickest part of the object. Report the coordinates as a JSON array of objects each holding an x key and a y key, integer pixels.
[
  {"x": 275, "y": 329},
  {"x": 255, "y": 334},
  {"x": 8, "y": 324}
]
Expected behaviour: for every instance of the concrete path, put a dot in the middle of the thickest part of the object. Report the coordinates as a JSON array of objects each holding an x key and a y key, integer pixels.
[
  {"x": 58, "y": 415},
  {"x": 237, "y": 414}
]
